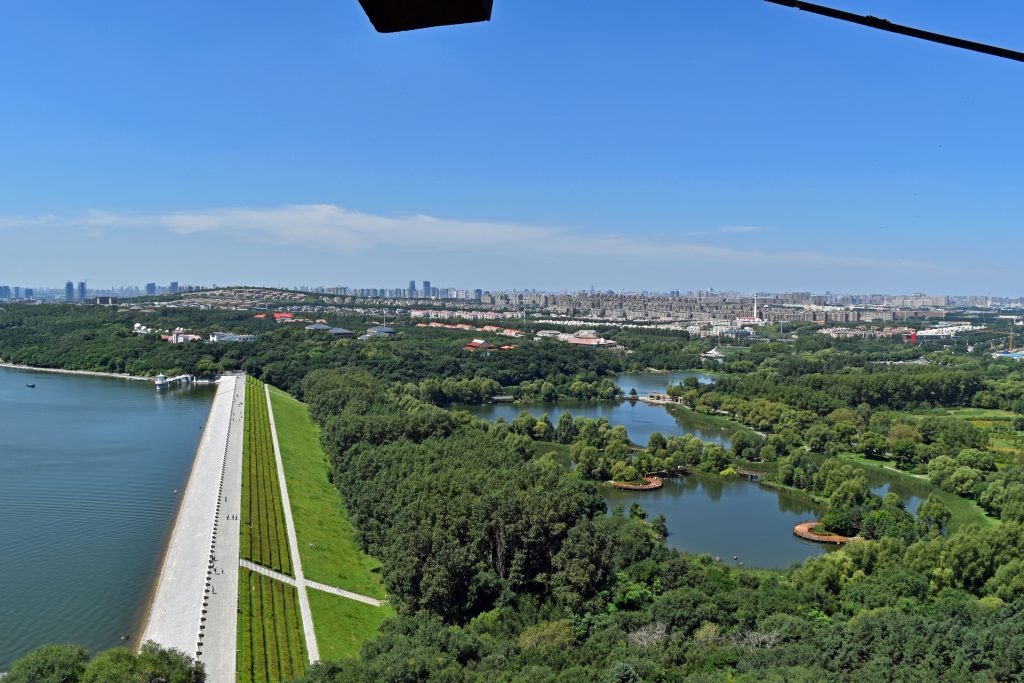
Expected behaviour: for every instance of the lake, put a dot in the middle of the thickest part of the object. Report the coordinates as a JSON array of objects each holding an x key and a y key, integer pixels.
[
  {"x": 88, "y": 470},
  {"x": 723, "y": 517},
  {"x": 704, "y": 513},
  {"x": 639, "y": 419}
]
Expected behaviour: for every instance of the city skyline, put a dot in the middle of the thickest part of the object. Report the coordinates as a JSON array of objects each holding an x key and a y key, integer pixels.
[
  {"x": 77, "y": 292},
  {"x": 703, "y": 149}
]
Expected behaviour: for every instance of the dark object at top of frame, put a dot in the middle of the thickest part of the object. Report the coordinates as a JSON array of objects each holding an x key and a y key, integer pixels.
[{"x": 389, "y": 16}]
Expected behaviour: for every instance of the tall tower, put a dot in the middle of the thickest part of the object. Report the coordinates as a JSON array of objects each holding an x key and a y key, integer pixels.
[
  {"x": 81, "y": 291},
  {"x": 69, "y": 291},
  {"x": 426, "y": 289},
  {"x": 755, "y": 305}
]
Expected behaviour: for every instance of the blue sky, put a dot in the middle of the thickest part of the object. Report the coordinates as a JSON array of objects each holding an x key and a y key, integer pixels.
[{"x": 732, "y": 144}]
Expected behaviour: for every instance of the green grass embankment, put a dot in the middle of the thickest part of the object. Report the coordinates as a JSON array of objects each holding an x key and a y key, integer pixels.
[
  {"x": 720, "y": 421},
  {"x": 271, "y": 647},
  {"x": 342, "y": 625},
  {"x": 326, "y": 538},
  {"x": 264, "y": 537}
]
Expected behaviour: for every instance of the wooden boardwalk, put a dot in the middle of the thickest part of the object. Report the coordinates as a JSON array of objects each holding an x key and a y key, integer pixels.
[
  {"x": 803, "y": 530},
  {"x": 650, "y": 484}
]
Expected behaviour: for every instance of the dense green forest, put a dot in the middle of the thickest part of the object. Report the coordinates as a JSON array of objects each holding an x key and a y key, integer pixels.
[
  {"x": 503, "y": 565},
  {"x": 101, "y": 339}
]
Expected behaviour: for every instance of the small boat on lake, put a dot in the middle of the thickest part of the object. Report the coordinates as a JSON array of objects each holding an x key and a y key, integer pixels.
[{"x": 30, "y": 386}]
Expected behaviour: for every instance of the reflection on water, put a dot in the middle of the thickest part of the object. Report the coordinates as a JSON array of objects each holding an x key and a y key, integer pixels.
[
  {"x": 648, "y": 382},
  {"x": 639, "y": 419},
  {"x": 704, "y": 513},
  {"x": 726, "y": 517}
]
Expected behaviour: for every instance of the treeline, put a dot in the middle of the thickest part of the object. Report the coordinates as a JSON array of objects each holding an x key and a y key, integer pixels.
[
  {"x": 101, "y": 339},
  {"x": 582, "y": 386},
  {"x": 72, "y": 664}
]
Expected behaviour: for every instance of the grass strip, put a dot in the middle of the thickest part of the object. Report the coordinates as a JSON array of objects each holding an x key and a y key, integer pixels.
[
  {"x": 327, "y": 545},
  {"x": 342, "y": 625}
]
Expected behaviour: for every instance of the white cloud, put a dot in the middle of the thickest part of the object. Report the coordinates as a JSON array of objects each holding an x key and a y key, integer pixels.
[{"x": 336, "y": 229}]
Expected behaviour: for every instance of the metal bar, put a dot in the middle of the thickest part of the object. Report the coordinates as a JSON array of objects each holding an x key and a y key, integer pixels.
[{"x": 885, "y": 25}]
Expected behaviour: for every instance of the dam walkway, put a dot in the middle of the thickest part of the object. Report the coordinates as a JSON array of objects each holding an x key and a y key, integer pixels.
[{"x": 195, "y": 606}]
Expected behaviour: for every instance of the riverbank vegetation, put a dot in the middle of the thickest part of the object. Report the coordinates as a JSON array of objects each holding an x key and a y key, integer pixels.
[{"x": 72, "y": 664}]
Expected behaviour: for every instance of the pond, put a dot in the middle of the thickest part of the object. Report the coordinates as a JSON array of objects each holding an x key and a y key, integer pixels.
[
  {"x": 724, "y": 517},
  {"x": 639, "y": 419}
]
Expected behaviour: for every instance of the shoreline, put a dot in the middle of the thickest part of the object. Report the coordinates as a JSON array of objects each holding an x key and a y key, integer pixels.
[
  {"x": 136, "y": 641},
  {"x": 85, "y": 373},
  {"x": 174, "y": 613}
]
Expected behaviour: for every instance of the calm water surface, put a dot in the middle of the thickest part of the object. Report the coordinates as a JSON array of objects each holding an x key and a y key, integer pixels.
[
  {"x": 704, "y": 514},
  {"x": 639, "y": 419},
  {"x": 88, "y": 469},
  {"x": 726, "y": 517}
]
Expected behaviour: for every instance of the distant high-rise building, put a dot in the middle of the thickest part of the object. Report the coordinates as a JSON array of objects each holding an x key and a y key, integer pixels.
[
  {"x": 412, "y": 289},
  {"x": 174, "y": 288},
  {"x": 29, "y": 292},
  {"x": 426, "y": 289},
  {"x": 5, "y": 292},
  {"x": 150, "y": 289},
  {"x": 17, "y": 292},
  {"x": 81, "y": 291},
  {"x": 69, "y": 291},
  {"x": 478, "y": 294}
]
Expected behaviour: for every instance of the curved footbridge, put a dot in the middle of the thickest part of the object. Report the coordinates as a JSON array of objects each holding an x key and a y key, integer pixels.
[
  {"x": 805, "y": 530},
  {"x": 195, "y": 606}
]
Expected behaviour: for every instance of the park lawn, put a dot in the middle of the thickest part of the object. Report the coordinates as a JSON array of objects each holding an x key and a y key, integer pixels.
[
  {"x": 722, "y": 421},
  {"x": 964, "y": 512},
  {"x": 342, "y": 625},
  {"x": 1004, "y": 443},
  {"x": 990, "y": 414},
  {"x": 326, "y": 538}
]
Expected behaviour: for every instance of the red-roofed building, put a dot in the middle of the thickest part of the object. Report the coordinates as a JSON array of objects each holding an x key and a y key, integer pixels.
[{"x": 479, "y": 345}]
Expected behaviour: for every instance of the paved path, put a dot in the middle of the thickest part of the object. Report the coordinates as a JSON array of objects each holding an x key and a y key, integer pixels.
[
  {"x": 220, "y": 637},
  {"x": 293, "y": 544},
  {"x": 194, "y": 608},
  {"x": 344, "y": 593},
  {"x": 284, "y": 578},
  {"x": 266, "y": 571}
]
